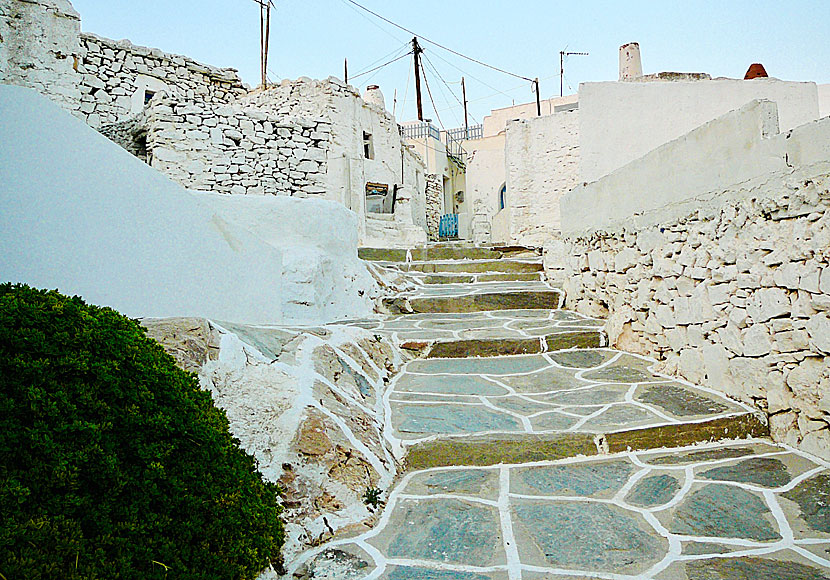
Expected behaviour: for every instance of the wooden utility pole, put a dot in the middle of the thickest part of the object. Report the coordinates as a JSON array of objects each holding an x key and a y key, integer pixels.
[
  {"x": 562, "y": 55},
  {"x": 416, "y": 52},
  {"x": 264, "y": 34},
  {"x": 464, "y": 97},
  {"x": 346, "y": 70},
  {"x": 538, "y": 99}
]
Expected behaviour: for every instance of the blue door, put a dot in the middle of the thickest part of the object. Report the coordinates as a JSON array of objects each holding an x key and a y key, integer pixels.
[{"x": 448, "y": 227}]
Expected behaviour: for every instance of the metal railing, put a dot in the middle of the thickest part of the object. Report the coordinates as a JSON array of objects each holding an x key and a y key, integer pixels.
[
  {"x": 420, "y": 130},
  {"x": 471, "y": 132}
]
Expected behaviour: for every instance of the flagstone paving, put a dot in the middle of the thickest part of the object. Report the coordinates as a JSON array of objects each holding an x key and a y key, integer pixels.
[
  {"x": 694, "y": 513},
  {"x": 535, "y": 454}
]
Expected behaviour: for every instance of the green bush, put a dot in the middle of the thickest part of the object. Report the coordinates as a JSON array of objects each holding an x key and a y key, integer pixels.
[{"x": 113, "y": 463}]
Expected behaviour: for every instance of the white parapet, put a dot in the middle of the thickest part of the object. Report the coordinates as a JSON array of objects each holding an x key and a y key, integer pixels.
[{"x": 693, "y": 172}]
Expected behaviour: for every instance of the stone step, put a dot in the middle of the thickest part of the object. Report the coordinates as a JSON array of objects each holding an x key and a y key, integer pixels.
[
  {"x": 472, "y": 267},
  {"x": 444, "y": 252},
  {"x": 475, "y": 278},
  {"x": 517, "y": 409},
  {"x": 508, "y": 300},
  {"x": 485, "y": 347}
]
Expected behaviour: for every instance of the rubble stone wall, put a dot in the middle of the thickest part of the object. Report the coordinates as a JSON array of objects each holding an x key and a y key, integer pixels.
[
  {"x": 39, "y": 48},
  {"x": 434, "y": 193},
  {"x": 732, "y": 293},
  {"x": 115, "y": 76},
  {"x": 542, "y": 163},
  {"x": 235, "y": 148}
]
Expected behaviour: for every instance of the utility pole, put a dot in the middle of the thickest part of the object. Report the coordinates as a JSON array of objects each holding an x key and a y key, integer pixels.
[
  {"x": 538, "y": 100},
  {"x": 562, "y": 55},
  {"x": 346, "y": 70},
  {"x": 416, "y": 52},
  {"x": 264, "y": 35},
  {"x": 464, "y": 97}
]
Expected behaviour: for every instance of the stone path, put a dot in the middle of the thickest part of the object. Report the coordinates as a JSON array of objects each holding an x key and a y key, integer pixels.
[{"x": 533, "y": 452}]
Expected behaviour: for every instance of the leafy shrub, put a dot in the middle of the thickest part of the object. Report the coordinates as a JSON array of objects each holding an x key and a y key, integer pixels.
[{"x": 113, "y": 463}]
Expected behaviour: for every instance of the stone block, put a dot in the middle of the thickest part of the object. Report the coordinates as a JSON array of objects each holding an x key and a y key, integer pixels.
[
  {"x": 756, "y": 341},
  {"x": 818, "y": 327},
  {"x": 768, "y": 303},
  {"x": 596, "y": 260}
]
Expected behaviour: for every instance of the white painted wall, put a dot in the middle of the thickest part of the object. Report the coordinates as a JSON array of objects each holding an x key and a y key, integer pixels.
[
  {"x": 39, "y": 45},
  {"x": 485, "y": 177},
  {"x": 740, "y": 147},
  {"x": 620, "y": 122},
  {"x": 497, "y": 120},
  {"x": 824, "y": 100},
  {"x": 542, "y": 161},
  {"x": 322, "y": 277},
  {"x": 80, "y": 214}
]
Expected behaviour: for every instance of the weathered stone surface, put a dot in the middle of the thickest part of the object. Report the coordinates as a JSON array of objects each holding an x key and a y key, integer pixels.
[
  {"x": 653, "y": 491},
  {"x": 594, "y": 479},
  {"x": 752, "y": 567},
  {"x": 585, "y": 536},
  {"x": 813, "y": 498},
  {"x": 723, "y": 511},
  {"x": 475, "y": 302},
  {"x": 191, "y": 341},
  {"x": 764, "y": 471},
  {"x": 681, "y": 402},
  {"x": 503, "y": 449},
  {"x": 444, "y": 530}
]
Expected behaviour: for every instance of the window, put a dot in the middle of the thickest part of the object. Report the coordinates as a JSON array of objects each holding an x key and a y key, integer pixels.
[
  {"x": 368, "y": 146},
  {"x": 503, "y": 197},
  {"x": 148, "y": 94}
]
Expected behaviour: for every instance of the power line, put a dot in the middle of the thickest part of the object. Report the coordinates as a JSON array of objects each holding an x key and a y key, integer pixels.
[
  {"x": 377, "y": 68},
  {"x": 370, "y": 21},
  {"x": 395, "y": 52},
  {"x": 464, "y": 56},
  {"x": 429, "y": 92},
  {"x": 460, "y": 102}
]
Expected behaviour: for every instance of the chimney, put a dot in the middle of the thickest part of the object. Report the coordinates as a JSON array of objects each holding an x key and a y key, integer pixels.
[
  {"x": 631, "y": 67},
  {"x": 374, "y": 96}
]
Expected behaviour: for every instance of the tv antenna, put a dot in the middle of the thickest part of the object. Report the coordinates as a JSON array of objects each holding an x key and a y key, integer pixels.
[{"x": 562, "y": 55}]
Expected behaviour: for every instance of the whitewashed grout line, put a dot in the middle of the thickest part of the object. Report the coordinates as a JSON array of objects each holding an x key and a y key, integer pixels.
[{"x": 514, "y": 570}]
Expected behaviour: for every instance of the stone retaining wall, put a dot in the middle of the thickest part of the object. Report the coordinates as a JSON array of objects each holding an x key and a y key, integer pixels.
[
  {"x": 434, "y": 193},
  {"x": 736, "y": 298}
]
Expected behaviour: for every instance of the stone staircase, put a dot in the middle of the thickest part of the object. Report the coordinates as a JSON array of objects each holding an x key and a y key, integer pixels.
[
  {"x": 506, "y": 376},
  {"x": 533, "y": 452}
]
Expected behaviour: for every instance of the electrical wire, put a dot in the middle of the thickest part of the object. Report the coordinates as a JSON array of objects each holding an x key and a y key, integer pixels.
[
  {"x": 429, "y": 92},
  {"x": 395, "y": 52},
  {"x": 372, "y": 22},
  {"x": 377, "y": 68},
  {"x": 443, "y": 94},
  {"x": 464, "y": 56},
  {"x": 446, "y": 84}
]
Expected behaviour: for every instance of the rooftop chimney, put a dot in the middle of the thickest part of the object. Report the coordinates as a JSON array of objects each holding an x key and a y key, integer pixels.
[
  {"x": 756, "y": 71},
  {"x": 631, "y": 67}
]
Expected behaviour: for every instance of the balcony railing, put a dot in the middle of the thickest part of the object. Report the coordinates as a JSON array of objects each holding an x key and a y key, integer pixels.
[
  {"x": 462, "y": 134},
  {"x": 420, "y": 130}
]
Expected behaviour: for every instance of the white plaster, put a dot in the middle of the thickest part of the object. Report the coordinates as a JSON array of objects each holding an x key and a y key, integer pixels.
[
  {"x": 542, "y": 160},
  {"x": 675, "y": 178},
  {"x": 620, "y": 122}
]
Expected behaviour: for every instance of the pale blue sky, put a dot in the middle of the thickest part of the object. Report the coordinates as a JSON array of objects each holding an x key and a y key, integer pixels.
[{"x": 312, "y": 37}]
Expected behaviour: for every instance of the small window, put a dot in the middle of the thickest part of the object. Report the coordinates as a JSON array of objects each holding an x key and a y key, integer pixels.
[
  {"x": 502, "y": 197},
  {"x": 368, "y": 146},
  {"x": 148, "y": 95}
]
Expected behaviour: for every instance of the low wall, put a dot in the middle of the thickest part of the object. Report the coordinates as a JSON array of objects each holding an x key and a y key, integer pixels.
[
  {"x": 622, "y": 121},
  {"x": 542, "y": 163},
  {"x": 733, "y": 292},
  {"x": 680, "y": 176}
]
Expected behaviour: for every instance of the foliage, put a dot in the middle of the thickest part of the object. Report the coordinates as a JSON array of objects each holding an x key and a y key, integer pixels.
[
  {"x": 372, "y": 496},
  {"x": 113, "y": 462}
]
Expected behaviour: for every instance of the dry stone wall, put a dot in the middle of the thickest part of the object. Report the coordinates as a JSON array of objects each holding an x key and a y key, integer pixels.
[
  {"x": 735, "y": 297},
  {"x": 434, "y": 193},
  {"x": 115, "y": 75},
  {"x": 236, "y": 148}
]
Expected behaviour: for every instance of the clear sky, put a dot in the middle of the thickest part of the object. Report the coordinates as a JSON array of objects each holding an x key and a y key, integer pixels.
[{"x": 312, "y": 38}]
